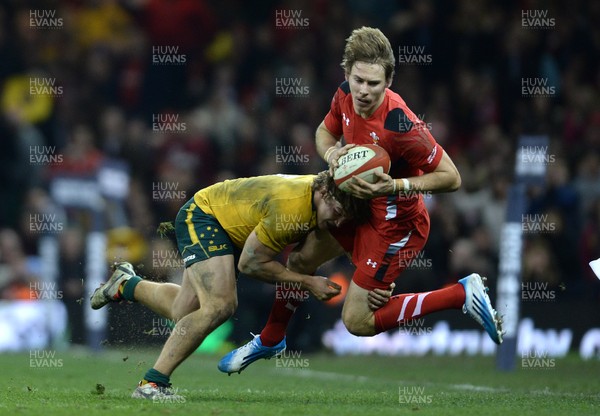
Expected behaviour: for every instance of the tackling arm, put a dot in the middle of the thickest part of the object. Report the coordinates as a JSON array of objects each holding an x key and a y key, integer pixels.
[{"x": 258, "y": 261}]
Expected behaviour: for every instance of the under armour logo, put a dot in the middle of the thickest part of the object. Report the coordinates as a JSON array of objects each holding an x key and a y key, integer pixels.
[
  {"x": 374, "y": 137},
  {"x": 346, "y": 119},
  {"x": 371, "y": 263}
]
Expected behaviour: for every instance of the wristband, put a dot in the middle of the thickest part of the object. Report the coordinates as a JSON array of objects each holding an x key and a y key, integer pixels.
[
  {"x": 394, "y": 181},
  {"x": 406, "y": 184},
  {"x": 327, "y": 154}
]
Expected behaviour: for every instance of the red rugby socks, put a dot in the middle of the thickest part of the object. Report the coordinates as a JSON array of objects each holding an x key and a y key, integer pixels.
[
  {"x": 400, "y": 309},
  {"x": 408, "y": 306},
  {"x": 286, "y": 302}
]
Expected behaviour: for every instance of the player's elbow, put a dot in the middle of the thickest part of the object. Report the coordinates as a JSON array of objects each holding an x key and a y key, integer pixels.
[
  {"x": 297, "y": 262},
  {"x": 249, "y": 267},
  {"x": 455, "y": 182}
]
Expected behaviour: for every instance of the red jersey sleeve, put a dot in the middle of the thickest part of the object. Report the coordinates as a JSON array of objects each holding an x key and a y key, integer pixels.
[
  {"x": 420, "y": 149},
  {"x": 333, "y": 119}
]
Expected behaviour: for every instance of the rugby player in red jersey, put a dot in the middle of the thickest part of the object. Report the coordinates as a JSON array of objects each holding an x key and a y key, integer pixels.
[{"x": 364, "y": 110}]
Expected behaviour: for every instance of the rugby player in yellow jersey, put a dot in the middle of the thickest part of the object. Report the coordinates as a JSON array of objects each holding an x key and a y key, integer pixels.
[{"x": 253, "y": 217}]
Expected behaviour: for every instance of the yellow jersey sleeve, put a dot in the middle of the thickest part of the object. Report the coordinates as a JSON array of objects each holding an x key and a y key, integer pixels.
[{"x": 278, "y": 207}]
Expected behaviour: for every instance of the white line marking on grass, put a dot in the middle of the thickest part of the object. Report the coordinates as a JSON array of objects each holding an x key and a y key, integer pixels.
[
  {"x": 322, "y": 375},
  {"x": 471, "y": 387},
  {"x": 329, "y": 376}
]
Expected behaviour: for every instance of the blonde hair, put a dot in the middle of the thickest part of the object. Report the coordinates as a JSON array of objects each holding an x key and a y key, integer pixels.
[{"x": 369, "y": 45}]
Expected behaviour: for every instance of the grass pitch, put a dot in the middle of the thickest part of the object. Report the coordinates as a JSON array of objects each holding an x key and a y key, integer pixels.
[{"x": 83, "y": 383}]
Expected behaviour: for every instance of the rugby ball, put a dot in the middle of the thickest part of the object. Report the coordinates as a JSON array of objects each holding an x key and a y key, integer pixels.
[{"x": 361, "y": 161}]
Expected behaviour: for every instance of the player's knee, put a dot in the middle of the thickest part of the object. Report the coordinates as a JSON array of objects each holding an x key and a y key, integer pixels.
[
  {"x": 358, "y": 329},
  {"x": 358, "y": 325},
  {"x": 231, "y": 308},
  {"x": 179, "y": 310},
  {"x": 222, "y": 308}
]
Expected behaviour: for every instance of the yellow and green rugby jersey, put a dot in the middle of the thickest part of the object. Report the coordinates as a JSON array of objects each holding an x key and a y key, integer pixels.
[{"x": 278, "y": 207}]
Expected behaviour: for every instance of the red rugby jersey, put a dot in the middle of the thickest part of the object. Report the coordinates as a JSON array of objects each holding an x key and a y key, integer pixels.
[{"x": 393, "y": 126}]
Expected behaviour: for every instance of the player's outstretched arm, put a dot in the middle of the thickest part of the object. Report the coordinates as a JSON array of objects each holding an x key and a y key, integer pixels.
[{"x": 258, "y": 261}]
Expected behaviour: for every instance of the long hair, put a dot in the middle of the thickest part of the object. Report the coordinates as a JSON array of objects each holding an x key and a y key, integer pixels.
[{"x": 355, "y": 208}]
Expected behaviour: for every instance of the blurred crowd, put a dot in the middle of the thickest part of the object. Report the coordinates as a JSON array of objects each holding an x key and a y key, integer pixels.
[{"x": 183, "y": 92}]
